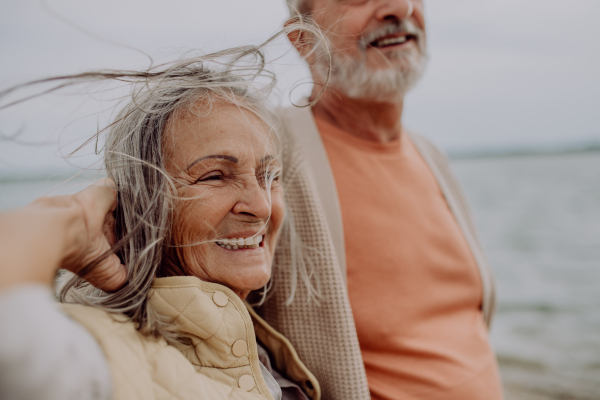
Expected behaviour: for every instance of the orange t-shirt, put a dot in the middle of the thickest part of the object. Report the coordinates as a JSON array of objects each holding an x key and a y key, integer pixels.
[{"x": 414, "y": 286}]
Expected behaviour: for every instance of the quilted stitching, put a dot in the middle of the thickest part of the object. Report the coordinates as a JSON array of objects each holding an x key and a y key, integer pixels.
[
  {"x": 147, "y": 369},
  {"x": 180, "y": 313},
  {"x": 206, "y": 339}
]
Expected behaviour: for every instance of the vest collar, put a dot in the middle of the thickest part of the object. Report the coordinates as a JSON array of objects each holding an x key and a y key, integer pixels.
[{"x": 211, "y": 317}]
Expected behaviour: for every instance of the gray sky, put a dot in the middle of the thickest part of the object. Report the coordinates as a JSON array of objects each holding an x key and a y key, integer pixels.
[{"x": 502, "y": 73}]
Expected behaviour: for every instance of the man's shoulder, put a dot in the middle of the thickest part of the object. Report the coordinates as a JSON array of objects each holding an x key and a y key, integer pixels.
[
  {"x": 296, "y": 120},
  {"x": 435, "y": 157},
  {"x": 301, "y": 142},
  {"x": 425, "y": 145}
]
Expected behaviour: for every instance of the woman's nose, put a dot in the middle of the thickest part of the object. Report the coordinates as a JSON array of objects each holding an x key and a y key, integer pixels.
[{"x": 253, "y": 201}]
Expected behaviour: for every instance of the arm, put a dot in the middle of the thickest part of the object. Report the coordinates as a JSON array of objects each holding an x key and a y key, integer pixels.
[
  {"x": 44, "y": 354},
  {"x": 61, "y": 232}
]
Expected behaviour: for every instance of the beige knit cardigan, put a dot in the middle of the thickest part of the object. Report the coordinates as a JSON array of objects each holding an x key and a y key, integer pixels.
[{"x": 324, "y": 334}]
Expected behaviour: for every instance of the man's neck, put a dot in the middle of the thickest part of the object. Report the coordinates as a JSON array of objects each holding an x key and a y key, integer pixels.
[{"x": 378, "y": 122}]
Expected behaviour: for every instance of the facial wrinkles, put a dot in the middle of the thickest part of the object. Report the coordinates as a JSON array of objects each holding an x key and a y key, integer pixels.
[
  {"x": 237, "y": 185},
  {"x": 233, "y": 146},
  {"x": 192, "y": 249}
]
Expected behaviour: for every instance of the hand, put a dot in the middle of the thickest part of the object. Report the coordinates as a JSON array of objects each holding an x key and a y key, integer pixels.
[
  {"x": 92, "y": 233},
  {"x": 67, "y": 232}
]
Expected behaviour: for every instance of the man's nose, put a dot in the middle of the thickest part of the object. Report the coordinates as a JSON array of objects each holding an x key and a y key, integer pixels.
[
  {"x": 394, "y": 9},
  {"x": 253, "y": 201}
]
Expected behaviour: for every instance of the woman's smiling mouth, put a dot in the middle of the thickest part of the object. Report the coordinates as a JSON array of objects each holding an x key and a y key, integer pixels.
[{"x": 251, "y": 242}]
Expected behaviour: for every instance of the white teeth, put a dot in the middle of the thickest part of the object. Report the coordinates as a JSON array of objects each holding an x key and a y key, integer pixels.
[
  {"x": 391, "y": 41},
  {"x": 251, "y": 242}
]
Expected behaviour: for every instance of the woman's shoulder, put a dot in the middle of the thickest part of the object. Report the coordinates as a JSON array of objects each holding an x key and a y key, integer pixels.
[
  {"x": 96, "y": 319},
  {"x": 142, "y": 366}
]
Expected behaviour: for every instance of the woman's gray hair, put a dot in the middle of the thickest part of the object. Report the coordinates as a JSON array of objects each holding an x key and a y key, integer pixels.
[{"x": 134, "y": 159}]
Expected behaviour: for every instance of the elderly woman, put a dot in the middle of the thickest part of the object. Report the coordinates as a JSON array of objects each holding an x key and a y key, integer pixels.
[{"x": 177, "y": 237}]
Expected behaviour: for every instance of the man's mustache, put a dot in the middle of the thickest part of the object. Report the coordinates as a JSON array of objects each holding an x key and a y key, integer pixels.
[{"x": 390, "y": 28}]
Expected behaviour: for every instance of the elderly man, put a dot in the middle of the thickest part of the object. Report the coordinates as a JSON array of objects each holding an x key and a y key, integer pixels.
[{"x": 406, "y": 293}]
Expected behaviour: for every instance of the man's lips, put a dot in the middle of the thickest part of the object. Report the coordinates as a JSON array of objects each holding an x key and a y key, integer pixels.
[{"x": 392, "y": 40}]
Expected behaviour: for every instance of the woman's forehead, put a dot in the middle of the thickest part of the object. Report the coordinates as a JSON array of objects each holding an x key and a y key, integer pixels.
[{"x": 223, "y": 129}]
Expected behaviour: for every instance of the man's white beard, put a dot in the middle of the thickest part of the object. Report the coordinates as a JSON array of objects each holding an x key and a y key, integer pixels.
[{"x": 352, "y": 77}]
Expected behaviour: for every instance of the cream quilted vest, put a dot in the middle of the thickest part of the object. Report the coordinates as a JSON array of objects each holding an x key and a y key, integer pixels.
[{"x": 220, "y": 361}]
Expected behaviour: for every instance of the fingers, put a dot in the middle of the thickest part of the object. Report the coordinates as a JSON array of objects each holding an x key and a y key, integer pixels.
[
  {"x": 108, "y": 229},
  {"x": 100, "y": 198},
  {"x": 108, "y": 183},
  {"x": 97, "y": 203},
  {"x": 110, "y": 275}
]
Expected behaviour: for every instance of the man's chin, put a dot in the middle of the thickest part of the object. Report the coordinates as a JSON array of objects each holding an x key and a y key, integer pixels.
[
  {"x": 385, "y": 82},
  {"x": 378, "y": 85}
]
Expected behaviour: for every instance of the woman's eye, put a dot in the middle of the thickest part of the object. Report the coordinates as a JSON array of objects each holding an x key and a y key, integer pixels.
[
  {"x": 275, "y": 175},
  {"x": 213, "y": 176},
  {"x": 267, "y": 176}
]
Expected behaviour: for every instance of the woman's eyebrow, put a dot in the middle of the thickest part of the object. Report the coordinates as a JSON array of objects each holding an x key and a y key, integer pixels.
[
  {"x": 219, "y": 156},
  {"x": 265, "y": 159}
]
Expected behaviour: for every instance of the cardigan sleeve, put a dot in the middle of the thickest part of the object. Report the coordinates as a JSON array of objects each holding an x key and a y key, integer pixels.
[{"x": 45, "y": 355}]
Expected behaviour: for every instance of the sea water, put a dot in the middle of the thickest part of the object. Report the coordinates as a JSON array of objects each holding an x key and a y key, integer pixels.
[
  {"x": 539, "y": 220},
  {"x": 19, "y": 192}
]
